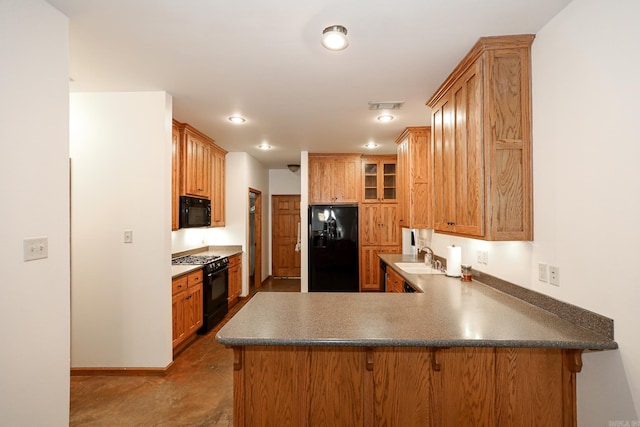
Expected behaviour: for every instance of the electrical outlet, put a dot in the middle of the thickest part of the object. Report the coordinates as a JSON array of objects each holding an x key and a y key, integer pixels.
[
  {"x": 479, "y": 256},
  {"x": 485, "y": 257},
  {"x": 554, "y": 275},
  {"x": 542, "y": 273}
]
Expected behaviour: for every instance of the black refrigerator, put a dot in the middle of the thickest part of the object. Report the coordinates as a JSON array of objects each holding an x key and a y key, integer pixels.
[{"x": 333, "y": 248}]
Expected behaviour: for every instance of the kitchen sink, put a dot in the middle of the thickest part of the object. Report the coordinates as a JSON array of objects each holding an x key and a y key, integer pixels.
[{"x": 417, "y": 268}]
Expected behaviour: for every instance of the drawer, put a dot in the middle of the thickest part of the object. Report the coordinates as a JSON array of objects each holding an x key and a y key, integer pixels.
[
  {"x": 178, "y": 284},
  {"x": 194, "y": 278}
]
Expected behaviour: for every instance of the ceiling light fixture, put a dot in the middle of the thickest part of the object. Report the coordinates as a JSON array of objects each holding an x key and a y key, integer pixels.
[
  {"x": 237, "y": 119},
  {"x": 370, "y": 145},
  {"x": 334, "y": 37},
  {"x": 385, "y": 118},
  {"x": 293, "y": 168},
  {"x": 264, "y": 146}
]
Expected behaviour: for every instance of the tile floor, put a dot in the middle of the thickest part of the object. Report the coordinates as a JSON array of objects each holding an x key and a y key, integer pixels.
[{"x": 197, "y": 391}]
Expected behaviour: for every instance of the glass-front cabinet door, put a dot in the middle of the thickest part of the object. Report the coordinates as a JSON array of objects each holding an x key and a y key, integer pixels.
[{"x": 379, "y": 179}]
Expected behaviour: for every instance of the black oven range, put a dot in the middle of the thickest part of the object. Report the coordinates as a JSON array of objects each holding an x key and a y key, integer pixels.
[{"x": 215, "y": 287}]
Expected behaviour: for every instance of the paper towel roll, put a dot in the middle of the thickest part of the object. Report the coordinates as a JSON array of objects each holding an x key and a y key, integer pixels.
[{"x": 454, "y": 259}]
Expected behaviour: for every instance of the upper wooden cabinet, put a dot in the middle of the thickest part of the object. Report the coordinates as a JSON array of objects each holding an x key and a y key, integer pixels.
[
  {"x": 481, "y": 118},
  {"x": 334, "y": 178},
  {"x": 175, "y": 176},
  {"x": 415, "y": 178},
  {"x": 217, "y": 186},
  {"x": 198, "y": 169},
  {"x": 379, "y": 179}
]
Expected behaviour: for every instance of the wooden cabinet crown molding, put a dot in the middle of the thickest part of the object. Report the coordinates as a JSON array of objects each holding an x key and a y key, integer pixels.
[{"x": 482, "y": 45}]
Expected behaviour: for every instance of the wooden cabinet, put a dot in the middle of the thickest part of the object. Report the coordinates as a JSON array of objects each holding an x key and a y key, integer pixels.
[
  {"x": 175, "y": 176},
  {"x": 405, "y": 386},
  {"x": 481, "y": 118},
  {"x": 379, "y": 225},
  {"x": 379, "y": 233},
  {"x": 198, "y": 170},
  {"x": 235, "y": 278},
  {"x": 196, "y": 163},
  {"x": 379, "y": 179},
  {"x": 395, "y": 282},
  {"x": 217, "y": 186},
  {"x": 415, "y": 177},
  {"x": 186, "y": 307},
  {"x": 370, "y": 278},
  {"x": 334, "y": 178}
]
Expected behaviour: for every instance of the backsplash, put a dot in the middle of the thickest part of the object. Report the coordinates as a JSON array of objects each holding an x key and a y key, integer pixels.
[{"x": 188, "y": 238}]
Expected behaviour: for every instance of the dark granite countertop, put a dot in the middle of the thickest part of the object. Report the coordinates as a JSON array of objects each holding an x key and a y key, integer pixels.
[{"x": 448, "y": 313}]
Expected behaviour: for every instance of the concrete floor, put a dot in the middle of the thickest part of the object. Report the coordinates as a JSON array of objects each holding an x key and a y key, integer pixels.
[{"x": 197, "y": 391}]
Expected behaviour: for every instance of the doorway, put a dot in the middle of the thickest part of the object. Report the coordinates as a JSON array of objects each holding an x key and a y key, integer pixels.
[
  {"x": 285, "y": 244},
  {"x": 255, "y": 239}
]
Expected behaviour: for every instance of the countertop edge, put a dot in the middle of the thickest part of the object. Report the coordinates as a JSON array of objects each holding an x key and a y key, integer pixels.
[{"x": 281, "y": 342}]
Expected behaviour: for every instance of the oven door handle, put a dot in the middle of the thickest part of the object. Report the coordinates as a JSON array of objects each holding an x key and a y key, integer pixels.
[{"x": 222, "y": 270}]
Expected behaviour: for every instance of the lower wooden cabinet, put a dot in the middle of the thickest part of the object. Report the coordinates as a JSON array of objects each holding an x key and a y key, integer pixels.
[
  {"x": 186, "y": 306},
  {"x": 405, "y": 386},
  {"x": 395, "y": 282},
  {"x": 370, "y": 277},
  {"x": 235, "y": 278}
]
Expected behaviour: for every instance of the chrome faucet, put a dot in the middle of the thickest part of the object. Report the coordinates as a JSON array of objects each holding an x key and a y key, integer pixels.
[{"x": 428, "y": 255}]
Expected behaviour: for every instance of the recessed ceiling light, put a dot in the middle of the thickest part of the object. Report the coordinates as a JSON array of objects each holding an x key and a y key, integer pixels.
[
  {"x": 384, "y": 118},
  {"x": 335, "y": 37},
  {"x": 237, "y": 119},
  {"x": 264, "y": 146},
  {"x": 370, "y": 145}
]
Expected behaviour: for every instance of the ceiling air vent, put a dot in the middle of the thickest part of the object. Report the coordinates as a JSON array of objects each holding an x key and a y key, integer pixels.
[{"x": 386, "y": 105}]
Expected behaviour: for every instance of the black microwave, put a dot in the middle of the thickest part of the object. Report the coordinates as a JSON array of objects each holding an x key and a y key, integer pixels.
[{"x": 194, "y": 212}]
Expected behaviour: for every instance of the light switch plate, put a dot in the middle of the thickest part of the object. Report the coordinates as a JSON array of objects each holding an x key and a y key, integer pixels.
[
  {"x": 542, "y": 273},
  {"x": 35, "y": 248},
  {"x": 128, "y": 236}
]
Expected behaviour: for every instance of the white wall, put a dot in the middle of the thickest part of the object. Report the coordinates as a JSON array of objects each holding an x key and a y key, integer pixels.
[
  {"x": 242, "y": 172},
  {"x": 34, "y": 186},
  {"x": 586, "y": 146},
  {"x": 121, "y": 180},
  {"x": 281, "y": 182},
  {"x": 304, "y": 231}
]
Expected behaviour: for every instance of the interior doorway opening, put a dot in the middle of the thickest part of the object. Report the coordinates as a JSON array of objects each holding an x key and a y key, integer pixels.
[{"x": 254, "y": 245}]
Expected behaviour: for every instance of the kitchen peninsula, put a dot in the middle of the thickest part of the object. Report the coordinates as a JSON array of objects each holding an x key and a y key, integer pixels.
[{"x": 455, "y": 354}]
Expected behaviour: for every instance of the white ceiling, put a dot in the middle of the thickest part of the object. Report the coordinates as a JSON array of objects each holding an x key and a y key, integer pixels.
[{"x": 263, "y": 60}]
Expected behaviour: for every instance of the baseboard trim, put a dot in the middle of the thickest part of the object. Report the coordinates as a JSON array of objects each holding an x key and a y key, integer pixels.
[{"x": 122, "y": 372}]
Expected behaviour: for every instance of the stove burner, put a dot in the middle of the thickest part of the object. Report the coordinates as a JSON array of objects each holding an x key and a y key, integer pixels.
[{"x": 194, "y": 259}]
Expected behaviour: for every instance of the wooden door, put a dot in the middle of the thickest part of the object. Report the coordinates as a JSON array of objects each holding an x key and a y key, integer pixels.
[
  {"x": 465, "y": 387},
  {"x": 403, "y": 183},
  {"x": 177, "y": 309},
  {"x": 175, "y": 177},
  {"x": 389, "y": 230},
  {"x": 217, "y": 188},
  {"x": 370, "y": 277},
  {"x": 370, "y": 224},
  {"x": 321, "y": 180},
  {"x": 195, "y": 302},
  {"x": 285, "y": 226},
  {"x": 468, "y": 156},
  {"x": 346, "y": 179},
  {"x": 402, "y": 386},
  {"x": 197, "y": 167}
]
